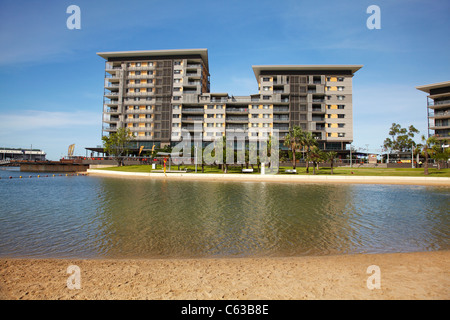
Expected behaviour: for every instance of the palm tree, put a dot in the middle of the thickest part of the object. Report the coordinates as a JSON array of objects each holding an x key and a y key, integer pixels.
[
  {"x": 427, "y": 150},
  {"x": 315, "y": 155},
  {"x": 293, "y": 140},
  {"x": 330, "y": 156},
  {"x": 309, "y": 142}
]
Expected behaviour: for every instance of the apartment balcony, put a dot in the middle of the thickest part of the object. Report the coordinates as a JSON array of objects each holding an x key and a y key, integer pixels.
[
  {"x": 231, "y": 110},
  {"x": 318, "y": 119},
  {"x": 221, "y": 100},
  {"x": 111, "y": 111},
  {"x": 111, "y": 102},
  {"x": 141, "y": 68},
  {"x": 109, "y": 128},
  {"x": 280, "y": 109},
  {"x": 141, "y": 85},
  {"x": 318, "y": 109},
  {"x": 438, "y": 104},
  {"x": 140, "y": 111},
  {"x": 193, "y": 65},
  {"x": 281, "y": 127},
  {"x": 237, "y": 119},
  {"x": 140, "y": 129},
  {"x": 320, "y": 127},
  {"x": 139, "y": 94},
  {"x": 280, "y": 118},
  {"x": 141, "y": 76},
  {"x": 193, "y": 74},
  {"x": 236, "y": 126},
  {"x": 192, "y": 119},
  {"x": 439, "y": 114},
  {"x": 193, "y": 128},
  {"x": 140, "y": 120},
  {"x": 193, "y": 110}
]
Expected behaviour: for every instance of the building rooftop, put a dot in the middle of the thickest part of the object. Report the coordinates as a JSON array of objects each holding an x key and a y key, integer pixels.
[
  {"x": 203, "y": 53},
  {"x": 258, "y": 70},
  {"x": 427, "y": 88}
]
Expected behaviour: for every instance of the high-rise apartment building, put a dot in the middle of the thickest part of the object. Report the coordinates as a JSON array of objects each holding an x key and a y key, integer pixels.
[
  {"x": 159, "y": 94},
  {"x": 438, "y": 106}
]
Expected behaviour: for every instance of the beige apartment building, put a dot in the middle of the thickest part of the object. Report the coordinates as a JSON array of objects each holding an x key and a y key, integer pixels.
[
  {"x": 160, "y": 94},
  {"x": 438, "y": 106}
]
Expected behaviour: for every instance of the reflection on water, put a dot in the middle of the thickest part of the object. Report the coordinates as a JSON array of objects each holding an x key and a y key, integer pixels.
[{"x": 125, "y": 218}]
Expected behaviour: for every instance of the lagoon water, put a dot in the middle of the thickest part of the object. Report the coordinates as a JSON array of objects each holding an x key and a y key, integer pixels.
[{"x": 102, "y": 217}]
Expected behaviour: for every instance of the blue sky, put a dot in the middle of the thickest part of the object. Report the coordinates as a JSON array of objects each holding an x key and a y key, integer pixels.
[{"x": 52, "y": 80}]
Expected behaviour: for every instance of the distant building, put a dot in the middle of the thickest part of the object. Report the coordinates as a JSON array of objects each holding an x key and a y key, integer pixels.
[
  {"x": 438, "y": 105},
  {"x": 22, "y": 154},
  {"x": 156, "y": 94}
]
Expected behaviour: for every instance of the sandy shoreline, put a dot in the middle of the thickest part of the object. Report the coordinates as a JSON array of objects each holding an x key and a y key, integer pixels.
[
  {"x": 420, "y": 275},
  {"x": 426, "y": 181}
]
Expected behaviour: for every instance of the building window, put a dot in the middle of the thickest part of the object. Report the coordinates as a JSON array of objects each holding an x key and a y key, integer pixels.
[
  {"x": 266, "y": 97},
  {"x": 176, "y": 98},
  {"x": 176, "y": 71},
  {"x": 177, "y": 63},
  {"x": 265, "y": 115},
  {"x": 138, "y": 64},
  {"x": 341, "y": 135},
  {"x": 177, "y": 89},
  {"x": 329, "y": 134},
  {"x": 254, "y": 116},
  {"x": 210, "y": 106},
  {"x": 341, "y": 106},
  {"x": 219, "y": 116},
  {"x": 266, "y": 88},
  {"x": 341, "y": 125},
  {"x": 341, "y": 116},
  {"x": 138, "y": 73},
  {"x": 210, "y": 116},
  {"x": 340, "y": 88},
  {"x": 340, "y": 79},
  {"x": 176, "y": 80},
  {"x": 341, "y": 97},
  {"x": 176, "y": 107},
  {"x": 176, "y": 116},
  {"x": 210, "y": 125},
  {"x": 255, "y": 106},
  {"x": 218, "y": 125},
  {"x": 254, "y": 125},
  {"x": 148, "y": 99},
  {"x": 265, "y": 125},
  {"x": 175, "y": 125},
  {"x": 266, "y": 79},
  {"x": 219, "y": 106},
  {"x": 266, "y": 106}
]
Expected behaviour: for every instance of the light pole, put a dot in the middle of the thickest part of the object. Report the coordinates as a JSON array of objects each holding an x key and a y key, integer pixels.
[
  {"x": 195, "y": 153},
  {"x": 351, "y": 155},
  {"x": 412, "y": 156}
]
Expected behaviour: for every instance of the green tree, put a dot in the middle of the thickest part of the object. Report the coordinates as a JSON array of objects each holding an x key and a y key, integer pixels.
[
  {"x": 117, "y": 144},
  {"x": 427, "y": 150},
  {"x": 315, "y": 155},
  {"x": 293, "y": 140},
  {"x": 308, "y": 142},
  {"x": 401, "y": 139},
  {"x": 331, "y": 156}
]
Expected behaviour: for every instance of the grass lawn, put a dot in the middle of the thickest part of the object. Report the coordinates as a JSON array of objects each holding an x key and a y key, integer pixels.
[{"x": 433, "y": 172}]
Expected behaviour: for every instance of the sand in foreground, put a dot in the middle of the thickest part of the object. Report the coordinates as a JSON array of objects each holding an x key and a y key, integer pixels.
[{"x": 422, "y": 275}]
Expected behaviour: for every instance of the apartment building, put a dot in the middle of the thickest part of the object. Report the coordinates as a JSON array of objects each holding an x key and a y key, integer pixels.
[
  {"x": 160, "y": 94},
  {"x": 438, "y": 109}
]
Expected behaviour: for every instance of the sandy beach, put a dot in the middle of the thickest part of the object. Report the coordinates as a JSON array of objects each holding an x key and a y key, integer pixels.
[
  {"x": 420, "y": 275},
  {"x": 285, "y": 178}
]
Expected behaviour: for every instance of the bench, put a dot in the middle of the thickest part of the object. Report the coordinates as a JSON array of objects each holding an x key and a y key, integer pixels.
[{"x": 247, "y": 170}]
